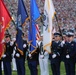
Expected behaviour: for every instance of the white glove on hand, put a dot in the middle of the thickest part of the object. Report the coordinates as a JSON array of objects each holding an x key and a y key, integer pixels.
[
  {"x": 24, "y": 45},
  {"x": 11, "y": 43},
  {"x": 46, "y": 53},
  {"x": 67, "y": 56},
  {"x": 54, "y": 56},
  {"x": 3, "y": 41},
  {"x": 4, "y": 56},
  {"x": 17, "y": 55},
  {"x": 41, "y": 56},
  {"x": 29, "y": 55},
  {"x": 62, "y": 43},
  {"x": 14, "y": 39}
]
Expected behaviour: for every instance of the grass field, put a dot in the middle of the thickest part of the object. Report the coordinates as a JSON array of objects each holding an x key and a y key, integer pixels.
[{"x": 62, "y": 70}]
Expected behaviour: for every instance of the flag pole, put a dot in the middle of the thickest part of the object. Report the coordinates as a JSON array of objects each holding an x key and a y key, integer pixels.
[
  {"x": 42, "y": 18},
  {"x": 58, "y": 26}
]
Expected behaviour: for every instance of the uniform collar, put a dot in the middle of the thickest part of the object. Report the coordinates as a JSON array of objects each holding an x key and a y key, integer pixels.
[{"x": 57, "y": 41}]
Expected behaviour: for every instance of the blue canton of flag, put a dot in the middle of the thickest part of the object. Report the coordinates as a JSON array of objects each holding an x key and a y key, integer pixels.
[
  {"x": 34, "y": 15},
  {"x": 21, "y": 17},
  {"x": 22, "y": 11}
]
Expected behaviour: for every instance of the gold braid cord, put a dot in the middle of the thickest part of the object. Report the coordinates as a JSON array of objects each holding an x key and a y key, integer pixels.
[
  {"x": 34, "y": 51},
  {"x": 4, "y": 49},
  {"x": 21, "y": 52}
]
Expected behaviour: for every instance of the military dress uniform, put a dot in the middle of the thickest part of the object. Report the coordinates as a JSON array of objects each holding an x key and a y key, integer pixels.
[
  {"x": 55, "y": 56},
  {"x": 43, "y": 59},
  {"x": 7, "y": 58},
  {"x": 13, "y": 59},
  {"x": 33, "y": 62},
  {"x": 20, "y": 59},
  {"x": 69, "y": 56}
]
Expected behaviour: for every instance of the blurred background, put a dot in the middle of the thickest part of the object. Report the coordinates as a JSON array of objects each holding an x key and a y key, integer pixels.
[{"x": 65, "y": 10}]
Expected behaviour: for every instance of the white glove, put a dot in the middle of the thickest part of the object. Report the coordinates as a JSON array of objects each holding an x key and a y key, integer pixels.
[
  {"x": 54, "y": 56},
  {"x": 17, "y": 55},
  {"x": 11, "y": 43},
  {"x": 24, "y": 45},
  {"x": 67, "y": 56},
  {"x": 3, "y": 41},
  {"x": 14, "y": 39},
  {"x": 4, "y": 56},
  {"x": 46, "y": 53},
  {"x": 41, "y": 56},
  {"x": 29, "y": 55},
  {"x": 62, "y": 43}
]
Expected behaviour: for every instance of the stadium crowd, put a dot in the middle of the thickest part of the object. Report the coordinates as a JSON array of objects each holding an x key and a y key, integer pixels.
[{"x": 65, "y": 10}]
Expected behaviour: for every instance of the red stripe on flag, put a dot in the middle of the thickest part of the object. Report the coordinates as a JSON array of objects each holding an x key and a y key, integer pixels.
[{"x": 38, "y": 32}]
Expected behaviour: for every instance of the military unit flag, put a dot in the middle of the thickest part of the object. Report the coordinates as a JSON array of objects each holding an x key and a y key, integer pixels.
[
  {"x": 34, "y": 15},
  {"x": 49, "y": 12},
  {"x": 21, "y": 17},
  {"x": 5, "y": 19}
]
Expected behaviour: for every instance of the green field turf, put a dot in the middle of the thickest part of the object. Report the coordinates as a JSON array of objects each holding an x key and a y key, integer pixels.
[{"x": 62, "y": 70}]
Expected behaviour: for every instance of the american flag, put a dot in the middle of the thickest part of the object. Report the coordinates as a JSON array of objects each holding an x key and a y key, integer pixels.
[{"x": 38, "y": 32}]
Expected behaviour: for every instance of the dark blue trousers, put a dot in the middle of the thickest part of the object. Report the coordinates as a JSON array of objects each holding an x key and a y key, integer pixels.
[
  {"x": 7, "y": 68},
  {"x": 70, "y": 67},
  {"x": 55, "y": 66},
  {"x": 0, "y": 69},
  {"x": 20, "y": 64},
  {"x": 33, "y": 67}
]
